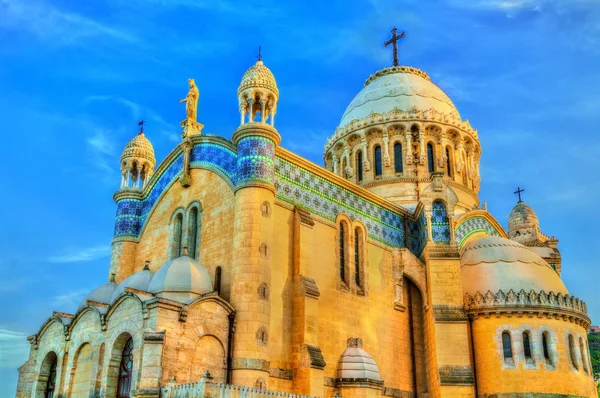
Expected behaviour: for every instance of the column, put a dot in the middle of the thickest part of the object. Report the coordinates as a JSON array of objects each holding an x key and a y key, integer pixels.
[
  {"x": 422, "y": 156},
  {"x": 242, "y": 113},
  {"x": 386, "y": 150},
  {"x": 366, "y": 163},
  {"x": 409, "y": 157},
  {"x": 250, "y": 114},
  {"x": 263, "y": 118},
  {"x": 335, "y": 163},
  {"x": 138, "y": 181}
]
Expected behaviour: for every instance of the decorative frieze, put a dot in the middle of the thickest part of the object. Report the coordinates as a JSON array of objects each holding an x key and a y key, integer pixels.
[
  {"x": 280, "y": 373},
  {"x": 251, "y": 363},
  {"x": 317, "y": 361},
  {"x": 449, "y": 313},
  {"x": 456, "y": 375}
]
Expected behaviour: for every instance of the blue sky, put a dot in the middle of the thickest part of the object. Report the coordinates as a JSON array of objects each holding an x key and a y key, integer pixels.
[{"x": 76, "y": 77}]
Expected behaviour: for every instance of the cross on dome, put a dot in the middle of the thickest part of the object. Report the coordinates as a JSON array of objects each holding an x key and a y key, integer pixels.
[
  {"x": 394, "y": 42},
  {"x": 518, "y": 192}
]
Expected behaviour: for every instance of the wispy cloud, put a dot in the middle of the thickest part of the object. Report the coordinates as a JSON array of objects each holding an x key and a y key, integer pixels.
[
  {"x": 54, "y": 25},
  {"x": 81, "y": 255},
  {"x": 14, "y": 348},
  {"x": 70, "y": 300}
]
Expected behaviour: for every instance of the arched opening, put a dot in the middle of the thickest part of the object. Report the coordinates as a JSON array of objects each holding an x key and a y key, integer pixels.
[
  {"x": 398, "y": 158},
  {"x": 217, "y": 285},
  {"x": 572, "y": 353},
  {"x": 121, "y": 367},
  {"x": 83, "y": 363},
  {"x": 176, "y": 235},
  {"x": 546, "y": 347},
  {"x": 125, "y": 370},
  {"x": 507, "y": 346},
  {"x": 527, "y": 348},
  {"x": 414, "y": 305},
  {"x": 378, "y": 166},
  {"x": 430, "y": 158},
  {"x": 464, "y": 169},
  {"x": 358, "y": 258},
  {"x": 209, "y": 354},
  {"x": 449, "y": 170},
  {"x": 193, "y": 232},
  {"x": 359, "y": 166},
  {"x": 46, "y": 386},
  {"x": 343, "y": 258},
  {"x": 583, "y": 356}
]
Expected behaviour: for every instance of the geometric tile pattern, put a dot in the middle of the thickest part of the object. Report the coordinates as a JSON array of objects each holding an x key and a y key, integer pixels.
[
  {"x": 299, "y": 186},
  {"x": 255, "y": 160},
  {"x": 293, "y": 184},
  {"x": 440, "y": 225},
  {"x": 471, "y": 226}
]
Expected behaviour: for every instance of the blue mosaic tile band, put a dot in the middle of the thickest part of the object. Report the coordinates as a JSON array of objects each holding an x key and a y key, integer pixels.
[
  {"x": 471, "y": 226},
  {"x": 133, "y": 213},
  {"x": 255, "y": 160},
  {"x": 440, "y": 225},
  {"x": 298, "y": 186}
]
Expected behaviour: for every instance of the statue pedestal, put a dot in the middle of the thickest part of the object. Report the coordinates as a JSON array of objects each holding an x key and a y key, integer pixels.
[{"x": 190, "y": 127}]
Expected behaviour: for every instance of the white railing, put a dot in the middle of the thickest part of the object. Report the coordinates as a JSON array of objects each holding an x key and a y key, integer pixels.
[{"x": 205, "y": 388}]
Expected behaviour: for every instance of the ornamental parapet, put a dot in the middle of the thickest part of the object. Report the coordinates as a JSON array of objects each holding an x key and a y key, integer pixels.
[
  {"x": 522, "y": 303},
  {"x": 397, "y": 115}
]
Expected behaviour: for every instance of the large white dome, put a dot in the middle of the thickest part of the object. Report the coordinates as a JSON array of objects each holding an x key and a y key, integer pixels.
[
  {"x": 181, "y": 279},
  {"x": 398, "y": 87}
]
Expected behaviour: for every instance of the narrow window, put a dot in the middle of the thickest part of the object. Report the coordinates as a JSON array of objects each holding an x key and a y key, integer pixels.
[
  {"x": 217, "y": 286},
  {"x": 342, "y": 252},
  {"x": 125, "y": 370},
  {"x": 357, "y": 256},
  {"x": 526, "y": 346},
  {"x": 193, "y": 232},
  {"x": 464, "y": 169},
  {"x": 506, "y": 345},
  {"x": 397, "y": 157},
  {"x": 545, "y": 347},
  {"x": 583, "y": 355},
  {"x": 378, "y": 169},
  {"x": 572, "y": 352},
  {"x": 51, "y": 384},
  {"x": 359, "y": 165},
  {"x": 430, "y": 158},
  {"x": 177, "y": 230},
  {"x": 448, "y": 162}
]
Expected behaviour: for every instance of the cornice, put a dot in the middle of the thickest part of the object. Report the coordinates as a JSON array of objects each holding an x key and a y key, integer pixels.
[
  {"x": 332, "y": 177},
  {"x": 559, "y": 306},
  {"x": 396, "y": 116},
  {"x": 256, "y": 129}
]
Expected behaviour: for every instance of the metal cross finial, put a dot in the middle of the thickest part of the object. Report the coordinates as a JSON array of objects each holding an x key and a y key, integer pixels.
[
  {"x": 394, "y": 42},
  {"x": 141, "y": 124},
  {"x": 518, "y": 192},
  {"x": 259, "y": 56}
]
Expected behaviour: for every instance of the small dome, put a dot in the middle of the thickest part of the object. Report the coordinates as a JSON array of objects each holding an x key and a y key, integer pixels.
[
  {"x": 181, "y": 279},
  {"x": 522, "y": 223},
  {"x": 398, "y": 87},
  {"x": 139, "y": 147},
  {"x": 139, "y": 281},
  {"x": 258, "y": 76},
  {"x": 494, "y": 263},
  {"x": 356, "y": 363},
  {"x": 101, "y": 294}
]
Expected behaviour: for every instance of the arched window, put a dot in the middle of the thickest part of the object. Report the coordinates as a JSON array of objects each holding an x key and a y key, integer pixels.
[
  {"x": 357, "y": 256},
  {"x": 448, "y": 162},
  {"x": 125, "y": 370},
  {"x": 51, "y": 383},
  {"x": 378, "y": 169},
  {"x": 359, "y": 166},
  {"x": 430, "y": 158},
  {"x": 583, "y": 355},
  {"x": 572, "y": 352},
  {"x": 397, "y": 157},
  {"x": 545, "y": 347},
  {"x": 506, "y": 346},
  {"x": 193, "y": 232},
  {"x": 527, "y": 346},
  {"x": 343, "y": 233},
  {"x": 217, "y": 286},
  {"x": 176, "y": 239}
]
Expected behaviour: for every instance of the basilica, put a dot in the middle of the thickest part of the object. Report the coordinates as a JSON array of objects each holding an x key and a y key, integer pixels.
[{"x": 240, "y": 269}]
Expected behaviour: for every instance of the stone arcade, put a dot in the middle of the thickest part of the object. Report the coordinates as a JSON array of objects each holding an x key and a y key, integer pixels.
[{"x": 240, "y": 269}]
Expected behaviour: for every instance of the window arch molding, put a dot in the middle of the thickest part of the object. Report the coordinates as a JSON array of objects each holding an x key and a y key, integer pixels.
[
  {"x": 176, "y": 227},
  {"x": 344, "y": 250},
  {"x": 192, "y": 228},
  {"x": 359, "y": 260}
]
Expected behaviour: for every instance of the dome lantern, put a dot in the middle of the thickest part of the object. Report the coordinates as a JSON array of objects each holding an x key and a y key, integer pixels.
[
  {"x": 258, "y": 93},
  {"x": 137, "y": 161}
]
